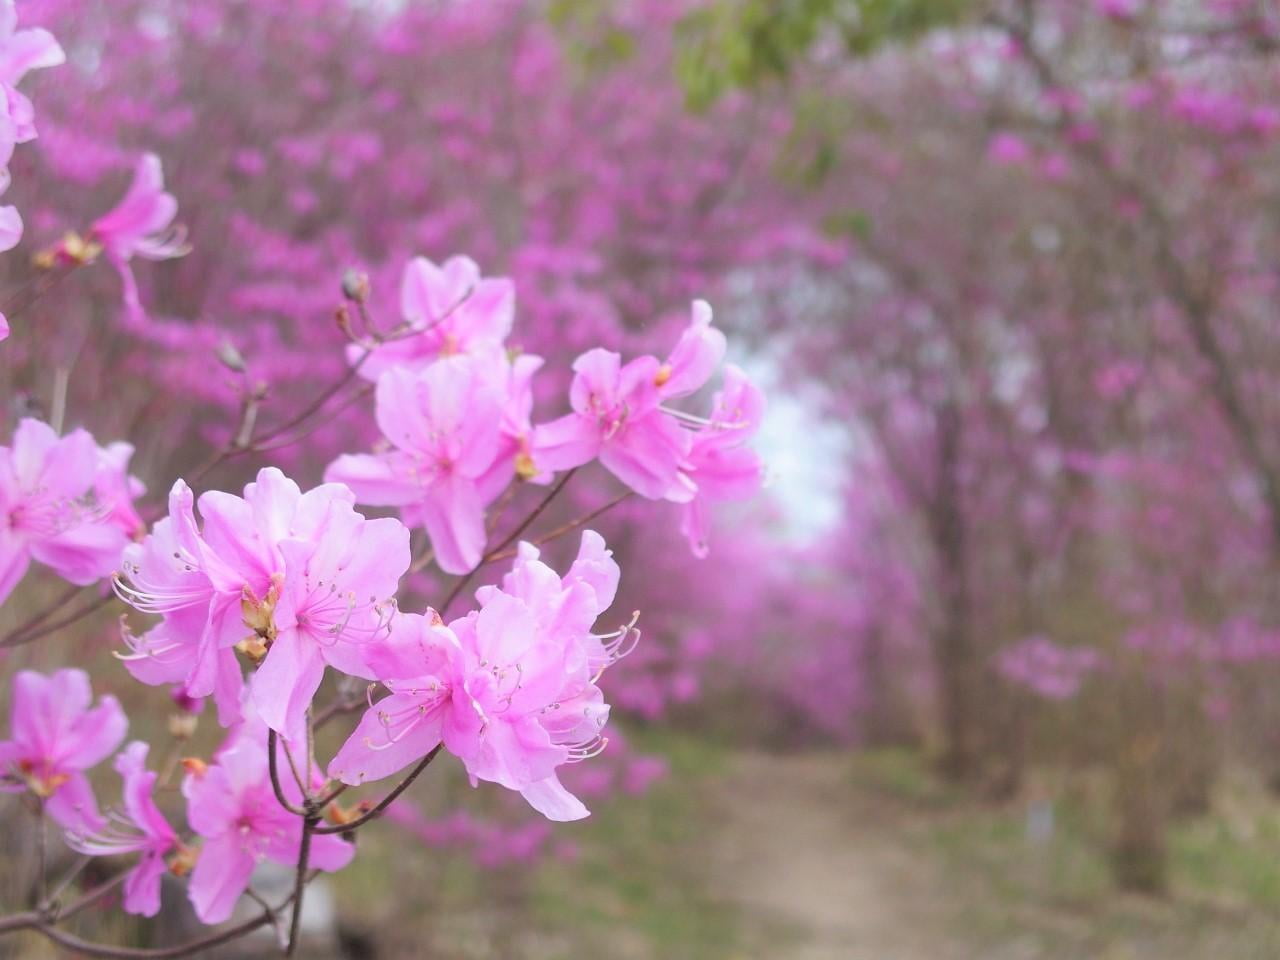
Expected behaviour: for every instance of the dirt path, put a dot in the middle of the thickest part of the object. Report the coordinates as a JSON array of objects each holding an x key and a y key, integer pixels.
[{"x": 805, "y": 856}]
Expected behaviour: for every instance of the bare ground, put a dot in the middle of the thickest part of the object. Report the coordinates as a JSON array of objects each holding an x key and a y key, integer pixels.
[{"x": 815, "y": 867}]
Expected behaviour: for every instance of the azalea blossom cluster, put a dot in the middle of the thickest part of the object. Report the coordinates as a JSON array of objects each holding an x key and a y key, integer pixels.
[
  {"x": 258, "y": 595},
  {"x": 454, "y": 406},
  {"x": 21, "y": 51}
]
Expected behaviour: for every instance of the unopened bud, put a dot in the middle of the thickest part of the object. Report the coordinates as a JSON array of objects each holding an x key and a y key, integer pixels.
[
  {"x": 355, "y": 285},
  {"x": 182, "y": 726},
  {"x": 230, "y": 357}
]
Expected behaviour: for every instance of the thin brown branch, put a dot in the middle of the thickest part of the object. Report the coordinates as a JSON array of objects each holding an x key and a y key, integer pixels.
[
  {"x": 273, "y": 767},
  {"x": 569, "y": 527},
  {"x": 300, "y": 883},
  {"x": 509, "y": 539},
  {"x": 17, "y": 638},
  {"x": 386, "y": 801}
]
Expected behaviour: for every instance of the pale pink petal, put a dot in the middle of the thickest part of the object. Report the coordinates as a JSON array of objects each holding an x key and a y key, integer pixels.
[
  {"x": 391, "y": 735},
  {"x": 221, "y": 875},
  {"x": 286, "y": 682},
  {"x": 95, "y": 735},
  {"x": 454, "y": 518},
  {"x": 553, "y": 801},
  {"x": 568, "y": 442},
  {"x": 374, "y": 480},
  {"x": 142, "y": 885},
  {"x": 27, "y": 50},
  {"x": 695, "y": 357},
  {"x": 74, "y": 807},
  {"x": 10, "y": 233},
  {"x": 646, "y": 455}
]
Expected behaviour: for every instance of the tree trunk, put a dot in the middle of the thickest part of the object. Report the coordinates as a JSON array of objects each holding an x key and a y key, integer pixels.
[{"x": 952, "y": 640}]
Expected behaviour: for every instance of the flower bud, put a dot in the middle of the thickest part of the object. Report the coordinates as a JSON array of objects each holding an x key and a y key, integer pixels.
[
  {"x": 182, "y": 726},
  {"x": 230, "y": 357},
  {"x": 355, "y": 285}
]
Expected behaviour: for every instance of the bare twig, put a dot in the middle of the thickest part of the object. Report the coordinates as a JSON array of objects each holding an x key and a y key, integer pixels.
[
  {"x": 507, "y": 540},
  {"x": 19, "y": 637},
  {"x": 273, "y": 768},
  {"x": 385, "y": 802}
]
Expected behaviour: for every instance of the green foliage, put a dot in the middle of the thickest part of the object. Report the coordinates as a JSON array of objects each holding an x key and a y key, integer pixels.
[
  {"x": 740, "y": 44},
  {"x": 592, "y": 37}
]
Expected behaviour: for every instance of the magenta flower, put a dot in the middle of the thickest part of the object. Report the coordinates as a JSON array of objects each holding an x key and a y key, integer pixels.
[
  {"x": 10, "y": 234},
  {"x": 695, "y": 357},
  {"x": 449, "y": 458},
  {"x": 336, "y": 599},
  {"x": 509, "y": 689},
  {"x": 450, "y": 310},
  {"x": 55, "y": 736},
  {"x": 566, "y": 609},
  {"x": 4, "y": 327},
  {"x": 616, "y": 418},
  {"x": 141, "y": 224},
  {"x": 720, "y": 465},
  {"x": 232, "y": 806},
  {"x": 619, "y": 419},
  {"x": 21, "y": 51},
  {"x": 65, "y": 503},
  {"x": 175, "y": 574},
  {"x": 295, "y": 580},
  {"x": 139, "y": 827}
]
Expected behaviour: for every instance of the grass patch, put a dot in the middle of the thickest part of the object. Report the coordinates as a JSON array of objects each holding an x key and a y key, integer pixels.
[{"x": 634, "y": 890}]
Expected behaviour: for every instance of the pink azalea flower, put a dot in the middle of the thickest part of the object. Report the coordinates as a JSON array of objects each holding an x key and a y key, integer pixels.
[
  {"x": 55, "y": 736},
  {"x": 296, "y": 580},
  {"x": 139, "y": 827},
  {"x": 509, "y": 689},
  {"x": 619, "y": 419},
  {"x": 4, "y": 326},
  {"x": 175, "y": 574},
  {"x": 231, "y": 804},
  {"x": 52, "y": 508},
  {"x": 451, "y": 310},
  {"x": 696, "y": 356},
  {"x": 720, "y": 464},
  {"x": 567, "y": 608},
  {"x": 20, "y": 52},
  {"x": 141, "y": 224},
  {"x": 10, "y": 235},
  {"x": 337, "y": 596},
  {"x": 449, "y": 459}
]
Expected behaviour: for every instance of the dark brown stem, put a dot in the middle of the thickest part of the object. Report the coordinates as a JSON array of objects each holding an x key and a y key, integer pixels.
[
  {"x": 335, "y": 709},
  {"x": 300, "y": 883},
  {"x": 273, "y": 766},
  {"x": 90, "y": 949},
  {"x": 569, "y": 527},
  {"x": 41, "y": 616},
  {"x": 385, "y": 802},
  {"x": 19, "y": 637},
  {"x": 507, "y": 540},
  {"x": 27, "y": 295}
]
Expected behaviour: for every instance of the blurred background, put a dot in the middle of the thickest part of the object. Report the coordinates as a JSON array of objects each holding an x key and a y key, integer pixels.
[{"x": 992, "y": 668}]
